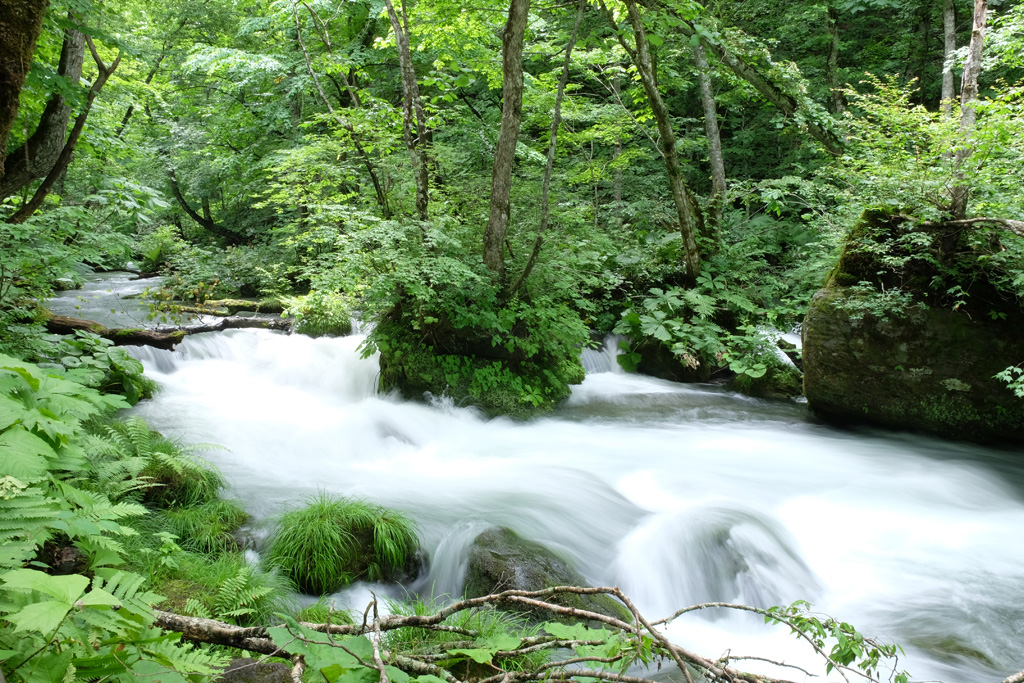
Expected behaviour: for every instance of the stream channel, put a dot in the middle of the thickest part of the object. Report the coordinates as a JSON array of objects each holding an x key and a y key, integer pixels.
[{"x": 678, "y": 494}]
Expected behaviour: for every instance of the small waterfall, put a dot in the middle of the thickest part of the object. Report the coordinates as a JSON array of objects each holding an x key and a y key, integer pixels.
[{"x": 605, "y": 358}]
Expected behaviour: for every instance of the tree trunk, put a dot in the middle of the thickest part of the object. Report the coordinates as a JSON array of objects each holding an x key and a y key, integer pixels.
[
  {"x": 412, "y": 112},
  {"x": 34, "y": 159},
  {"x": 968, "y": 114},
  {"x": 64, "y": 159},
  {"x": 707, "y": 98},
  {"x": 556, "y": 120},
  {"x": 832, "y": 62},
  {"x": 21, "y": 22},
  {"x": 382, "y": 200},
  {"x": 684, "y": 208},
  {"x": 948, "y": 48},
  {"x": 505, "y": 152}
]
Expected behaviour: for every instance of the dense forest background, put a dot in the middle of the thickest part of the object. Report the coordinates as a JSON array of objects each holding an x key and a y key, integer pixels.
[{"x": 493, "y": 186}]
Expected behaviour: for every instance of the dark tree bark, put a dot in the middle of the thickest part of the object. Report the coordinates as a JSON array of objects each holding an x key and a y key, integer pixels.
[
  {"x": 556, "y": 120},
  {"x": 681, "y": 195},
  {"x": 505, "y": 152},
  {"x": 204, "y": 219},
  {"x": 413, "y": 116},
  {"x": 21, "y": 22},
  {"x": 34, "y": 159},
  {"x": 707, "y": 98},
  {"x": 64, "y": 159},
  {"x": 832, "y": 62},
  {"x": 968, "y": 114},
  {"x": 948, "y": 48}
]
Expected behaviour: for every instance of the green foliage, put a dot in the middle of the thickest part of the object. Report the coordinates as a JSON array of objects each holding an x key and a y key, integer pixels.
[
  {"x": 849, "y": 648},
  {"x": 332, "y": 541},
  {"x": 58, "y": 627},
  {"x": 204, "y": 528},
  {"x": 177, "y": 477},
  {"x": 1014, "y": 378},
  {"x": 319, "y": 314}
]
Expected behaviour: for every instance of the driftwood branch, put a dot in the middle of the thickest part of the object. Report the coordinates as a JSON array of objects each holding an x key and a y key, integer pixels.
[
  {"x": 161, "y": 337},
  {"x": 257, "y": 639}
]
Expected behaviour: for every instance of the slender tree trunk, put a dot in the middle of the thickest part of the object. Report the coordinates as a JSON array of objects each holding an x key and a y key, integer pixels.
[
  {"x": 378, "y": 189},
  {"x": 948, "y": 48},
  {"x": 61, "y": 164},
  {"x": 505, "y": 151},
  {"x": 688, "y": 219},
  {"x": 556, "y": 120},
  {"x": 968, "y": 114},
  {"x": 21, "y": 22},
  {"x": 37, "y": 155},
  {"x": 412, "y": 111},
  {"x": 832, "y": 62},
  {"x": 707, "y": 98}
]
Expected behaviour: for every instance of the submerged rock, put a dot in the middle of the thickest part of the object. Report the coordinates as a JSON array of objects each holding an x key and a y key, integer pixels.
[
  {"x": 500, "y": 560},
  {"x": 927, "y": 364}
]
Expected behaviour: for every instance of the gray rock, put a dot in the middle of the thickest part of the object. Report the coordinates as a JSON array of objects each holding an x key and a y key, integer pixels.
[
  {"x": 255, "y": 671},
  {"x": 500, "y": 560}
]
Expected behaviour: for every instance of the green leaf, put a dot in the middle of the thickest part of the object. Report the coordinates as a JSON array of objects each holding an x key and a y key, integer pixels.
[
  {"x": 65, "y": 588},
  {"x": 49, "y": 667},
  {"x": 44, "y": 616},
  {"x": 655, "y": 40},
  {"x": 10, "y": 411},
  {"x": 99, "y": 597},
  {"x": 24, "y": 454},
  {"x": 477, "y": 655}
]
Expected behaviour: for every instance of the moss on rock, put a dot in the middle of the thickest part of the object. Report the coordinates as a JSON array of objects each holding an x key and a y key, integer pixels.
[
  {"x": 926, "y": 367},
  {"x": 501, "y": 560}
]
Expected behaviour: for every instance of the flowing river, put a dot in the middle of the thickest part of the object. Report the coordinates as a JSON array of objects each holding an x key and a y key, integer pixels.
[{"x": 679, "y": 494}]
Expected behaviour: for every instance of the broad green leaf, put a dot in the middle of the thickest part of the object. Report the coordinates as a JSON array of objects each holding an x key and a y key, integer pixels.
[
  {"x": 49, "y": 667},
  {"x": 477, "y": 655},
  {"x": 99, "y": 597},
  {"x": 655, "y": 40},
  {"x": 65, "y": 588},
  {"x": 44, "y": 617},
  {"x": 503, "y": 641},
  {"x": 10, "y": 411},
  {"x": 24, "y": 454}
]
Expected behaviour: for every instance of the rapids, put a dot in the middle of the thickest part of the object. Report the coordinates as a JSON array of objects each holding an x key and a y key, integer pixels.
[{"x": 676, "y": 493}]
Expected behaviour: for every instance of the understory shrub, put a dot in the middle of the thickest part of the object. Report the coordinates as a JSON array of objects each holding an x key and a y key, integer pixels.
[
  {"x": 334, "y": 541},
  {"x": 319, "y": 314}
]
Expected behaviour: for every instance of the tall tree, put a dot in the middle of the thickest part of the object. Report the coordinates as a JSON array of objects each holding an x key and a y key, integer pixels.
[
  {"x": 707, "y": 99},
  {"x": 686, "y": 209},
  {"x": 948, "y": 48},
  {"x": 36, "y": 156},
  {"x": 413, "y": 116},
  {"x": 21, "y": 22},
  {"x": 968, "y": 112},
  {"x": 505, "y": 151}
]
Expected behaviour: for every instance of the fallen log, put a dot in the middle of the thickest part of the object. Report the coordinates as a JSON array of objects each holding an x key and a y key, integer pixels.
[{"x": 161, "y": 337}]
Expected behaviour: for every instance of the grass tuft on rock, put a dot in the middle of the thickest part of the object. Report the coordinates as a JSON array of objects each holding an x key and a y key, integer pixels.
[{"x": 333, "y": 541}]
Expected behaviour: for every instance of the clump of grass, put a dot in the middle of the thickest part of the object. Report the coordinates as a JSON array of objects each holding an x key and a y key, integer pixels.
[
  {"x": 334, "y": 541},
  {"x": 322, "y": 612},
  {"x": 206, "y": 528}
]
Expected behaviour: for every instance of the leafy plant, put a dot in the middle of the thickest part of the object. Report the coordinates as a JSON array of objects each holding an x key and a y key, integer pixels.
[{"x": 319, "y": 314}]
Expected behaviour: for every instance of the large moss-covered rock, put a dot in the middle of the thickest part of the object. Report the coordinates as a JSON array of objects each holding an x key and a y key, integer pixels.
[
  {"x": 931, "y": 370},
  {"x": 500, "y": 560},
  {"x": 925, "y": 366}
]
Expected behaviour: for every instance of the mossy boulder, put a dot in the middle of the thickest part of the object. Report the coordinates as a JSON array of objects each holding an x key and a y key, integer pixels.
[
  {"x": 500, "y": 560},
  {"x": 475, "y": 372},
  {"x": 657, "y": 360},
  {"x": 926, "y": 364}
]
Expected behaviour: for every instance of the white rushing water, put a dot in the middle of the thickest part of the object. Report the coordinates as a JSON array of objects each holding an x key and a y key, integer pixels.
[{"x": 679, "y": 494}]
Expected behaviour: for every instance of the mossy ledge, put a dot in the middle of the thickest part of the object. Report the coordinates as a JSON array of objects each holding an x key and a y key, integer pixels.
[{"x": 928, "y": 367}]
